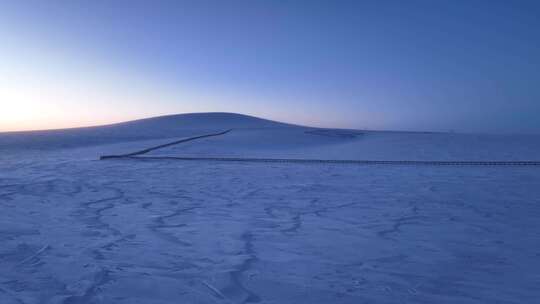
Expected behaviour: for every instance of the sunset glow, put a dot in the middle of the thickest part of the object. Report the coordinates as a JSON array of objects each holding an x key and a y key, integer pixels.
[{"x": 73, "y": 63}]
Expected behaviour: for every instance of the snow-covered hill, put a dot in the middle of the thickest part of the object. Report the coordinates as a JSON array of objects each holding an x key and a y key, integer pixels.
[
  {"x": 256, "y": 137},
  {"x": 162, "y": 127}
]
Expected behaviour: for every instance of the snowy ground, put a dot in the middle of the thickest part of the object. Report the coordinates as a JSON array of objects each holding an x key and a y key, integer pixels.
[{"x": 77, "y": 230}]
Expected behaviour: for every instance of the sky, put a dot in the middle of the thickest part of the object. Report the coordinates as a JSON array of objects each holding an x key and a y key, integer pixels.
[{"x": 461, "y": 65}]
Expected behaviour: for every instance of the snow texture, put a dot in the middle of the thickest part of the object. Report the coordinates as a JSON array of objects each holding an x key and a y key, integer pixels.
[{"x": 75, "y": 229}]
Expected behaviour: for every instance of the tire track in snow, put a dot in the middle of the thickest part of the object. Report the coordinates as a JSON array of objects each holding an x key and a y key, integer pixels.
[
  {"x": 161, "y": 223},
  {"x": 235, "y": 291},
  {"x": 94, "y": 215},
  {"x": 99, "y": 279},
  {"x": 399, "y": 222},
  {"x": 298, "y": 217},
  {"x": 245, "y": 266}
]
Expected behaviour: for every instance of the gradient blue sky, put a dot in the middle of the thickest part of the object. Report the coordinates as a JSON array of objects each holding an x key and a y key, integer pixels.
[{"x": 470, "y": 66}]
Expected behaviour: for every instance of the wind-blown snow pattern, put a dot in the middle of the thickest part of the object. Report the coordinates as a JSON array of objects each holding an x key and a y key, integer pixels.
[{"x": 75, "y": 229}]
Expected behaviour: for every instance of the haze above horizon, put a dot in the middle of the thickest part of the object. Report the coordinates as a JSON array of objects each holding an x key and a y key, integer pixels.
[{"x": 468, "y": 66}]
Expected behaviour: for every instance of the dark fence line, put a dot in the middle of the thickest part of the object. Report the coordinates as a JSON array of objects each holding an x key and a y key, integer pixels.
[
  {"x": 163, "y": 146},
  {"x": 337, "y": 161},
  {"x": 137, "y": 155}
]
